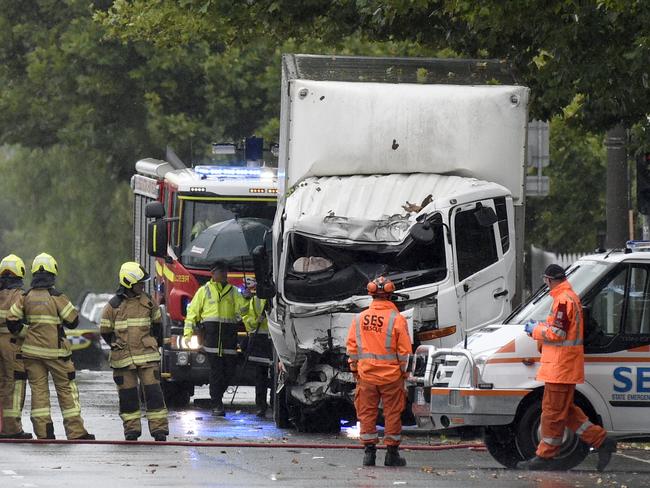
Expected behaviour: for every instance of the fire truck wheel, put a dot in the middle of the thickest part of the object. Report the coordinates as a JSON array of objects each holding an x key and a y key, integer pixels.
[
  {"x": 500, "y": 441},
  {"x": 528, "y": 436},
  {"x": 176, "y": 394}
]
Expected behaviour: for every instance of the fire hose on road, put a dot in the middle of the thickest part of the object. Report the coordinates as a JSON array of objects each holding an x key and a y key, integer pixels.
[{"x": 271, "y": 445}]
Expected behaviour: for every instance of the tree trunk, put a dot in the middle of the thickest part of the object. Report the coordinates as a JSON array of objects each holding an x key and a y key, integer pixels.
[{"x": 616, "y": 196}]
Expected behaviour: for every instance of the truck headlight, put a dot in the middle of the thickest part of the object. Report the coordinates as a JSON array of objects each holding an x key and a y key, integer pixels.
[
  {"x": 192, "y": 344},
  {"x": 182, "y": 359}
]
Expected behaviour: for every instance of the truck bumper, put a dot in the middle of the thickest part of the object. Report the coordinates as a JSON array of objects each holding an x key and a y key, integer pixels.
[
  {"x": 458, "y": 407},
  {"x": 185, "y": 366}
]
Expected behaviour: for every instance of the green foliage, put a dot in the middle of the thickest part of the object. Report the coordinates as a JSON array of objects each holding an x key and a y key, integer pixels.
[
  {"x": 570, "y": 217},
  {"x": 67, "y": 203}
]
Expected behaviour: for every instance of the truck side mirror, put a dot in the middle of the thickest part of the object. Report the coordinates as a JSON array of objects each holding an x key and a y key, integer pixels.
[
  {"x": 485, "y": 216},
  {"x": 423, "y": 233},
  {"x": 157, "y": 238},
  {"x": 265, "y": 286},
  {"x": 154, "y": 210}
]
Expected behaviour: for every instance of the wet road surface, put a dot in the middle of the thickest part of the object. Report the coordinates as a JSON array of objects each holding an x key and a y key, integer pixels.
[{"x": 135, "y": 465}]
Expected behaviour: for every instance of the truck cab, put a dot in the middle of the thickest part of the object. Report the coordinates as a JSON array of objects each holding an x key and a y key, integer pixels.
[
  {"x": 490, "y": 381},
  {"x": 173, "y": 207}
]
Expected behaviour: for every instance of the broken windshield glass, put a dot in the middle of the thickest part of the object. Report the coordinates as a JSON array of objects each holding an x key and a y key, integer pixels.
[{"x": 346, "y": 268}]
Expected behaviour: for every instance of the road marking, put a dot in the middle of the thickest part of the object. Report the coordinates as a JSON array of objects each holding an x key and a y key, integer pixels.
[{"x": 634, "y": 458}]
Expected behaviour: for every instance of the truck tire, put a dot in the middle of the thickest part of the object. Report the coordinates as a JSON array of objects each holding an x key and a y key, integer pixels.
[
  {"x": 500, "y": 441},
  {"x": 319, "y": 421},
  {"x": 279, "y": 400},
  {"x": 528, "y": 434},
  {"x": 176, "y": 394}
]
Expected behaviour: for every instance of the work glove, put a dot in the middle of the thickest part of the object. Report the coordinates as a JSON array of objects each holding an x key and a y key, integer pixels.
[
  {"x": 529, "y": 327},
  {"x": 187, "y": 335}
]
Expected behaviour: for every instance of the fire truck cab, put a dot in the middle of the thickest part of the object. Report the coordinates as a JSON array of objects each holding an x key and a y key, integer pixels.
[
  {"x": 173, "y": 206},
  {"x": 490, "y": 381}
]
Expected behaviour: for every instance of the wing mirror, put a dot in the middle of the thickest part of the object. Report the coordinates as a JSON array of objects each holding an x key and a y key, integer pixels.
[{"x": 485, "y": 216}]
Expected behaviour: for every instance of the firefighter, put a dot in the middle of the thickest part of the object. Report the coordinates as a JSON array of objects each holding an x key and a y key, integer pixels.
[
  {"x": 259, "y": 348},
  {"x": 131, "y": 325},
  {"x": 562, "y": 367},
  {"x": 40, "y": 314},
  {"x": 214, "y": 314},
  {"x": 379, "y": 346},
  {"x": 13, "y": 378}
]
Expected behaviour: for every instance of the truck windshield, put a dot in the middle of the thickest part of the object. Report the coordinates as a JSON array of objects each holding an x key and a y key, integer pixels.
[
  {"x": 320, "y": 271},
  {"x": 198, "y": 215},
  {"x": 581, "y": 276}
]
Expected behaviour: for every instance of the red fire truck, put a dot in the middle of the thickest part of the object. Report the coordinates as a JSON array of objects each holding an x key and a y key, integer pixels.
[{"x": 173, "y": 206}]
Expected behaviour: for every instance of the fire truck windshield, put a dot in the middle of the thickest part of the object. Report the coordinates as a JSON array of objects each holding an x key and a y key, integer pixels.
[{"x": 198, "y": 215}]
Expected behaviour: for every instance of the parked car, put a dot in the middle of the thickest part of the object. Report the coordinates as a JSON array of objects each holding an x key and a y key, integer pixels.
[{"x": 88, "y": 349}]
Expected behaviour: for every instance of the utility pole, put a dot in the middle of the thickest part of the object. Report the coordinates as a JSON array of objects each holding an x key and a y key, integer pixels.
[{"x": 616, "y": 195}]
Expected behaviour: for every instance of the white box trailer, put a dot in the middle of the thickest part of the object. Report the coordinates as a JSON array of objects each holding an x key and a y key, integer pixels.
[{"x": 386, "y": 168}]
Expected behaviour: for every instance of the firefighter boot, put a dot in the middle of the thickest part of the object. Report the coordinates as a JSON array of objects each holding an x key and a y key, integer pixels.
[
  {"x": 370, "y": 455},
  {"x": 605, "y": 451},
  {"x": 393, "y": 458},
  {"x": 218, "y": 409}
]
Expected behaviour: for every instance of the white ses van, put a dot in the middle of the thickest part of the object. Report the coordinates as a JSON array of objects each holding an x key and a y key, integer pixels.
[{"x": 490, "y": 381}]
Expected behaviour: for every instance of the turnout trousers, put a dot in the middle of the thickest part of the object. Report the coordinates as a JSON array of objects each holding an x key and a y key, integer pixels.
[
  {"x": 366, "y": 401},
  {"x": 558, "y": 412},
  {"x": 63, "y": 376},
  {"x": 13, "y": 381},
  {"x": 148, "y": 377}
]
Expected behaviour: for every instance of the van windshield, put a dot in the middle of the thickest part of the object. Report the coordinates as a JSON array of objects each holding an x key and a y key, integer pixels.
[
  {"x": 581, "y": 276},
  {"x": 320, "y": 271}
]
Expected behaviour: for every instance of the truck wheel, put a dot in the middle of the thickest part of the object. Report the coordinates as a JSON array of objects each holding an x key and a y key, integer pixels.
[
  {"x": 528, "y": 435},
  {"x": 500, "y": 441},
  {"x": 279, "y": 400},
  {"x": 176, "y": 394},
  {"x": 320, "y": 421}
]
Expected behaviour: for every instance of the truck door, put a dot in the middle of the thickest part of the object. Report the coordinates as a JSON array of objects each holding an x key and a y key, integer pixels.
[
  {"x": 617, "y": 345},
  {"x": 480, "y": 269}
]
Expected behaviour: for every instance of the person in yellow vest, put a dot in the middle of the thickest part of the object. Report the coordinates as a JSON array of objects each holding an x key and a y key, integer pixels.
[
  {"x": 13, "y": 378},
  {"x": 259, "y": 348},
  {"x": 214, "y": 314},
  {"x": 131, "y": 325},
  {"x": 40, "y": 314}
]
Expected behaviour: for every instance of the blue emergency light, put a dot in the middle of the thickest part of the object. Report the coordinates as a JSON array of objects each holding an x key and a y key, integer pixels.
[
  {"x": 227, "y": 172},
  {"x": 638, "y": 246}
]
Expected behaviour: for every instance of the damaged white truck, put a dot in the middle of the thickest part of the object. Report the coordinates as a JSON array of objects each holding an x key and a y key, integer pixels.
[{"x": 407, "y": 168}]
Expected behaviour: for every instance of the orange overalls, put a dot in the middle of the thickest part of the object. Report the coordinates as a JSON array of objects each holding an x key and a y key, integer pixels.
[
  {"x": 562, "y": 367},
  {"x": 379, "y": 347}
]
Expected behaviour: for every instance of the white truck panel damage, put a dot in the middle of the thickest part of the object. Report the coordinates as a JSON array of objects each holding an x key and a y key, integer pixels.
[{"x": 346, "y": 128}]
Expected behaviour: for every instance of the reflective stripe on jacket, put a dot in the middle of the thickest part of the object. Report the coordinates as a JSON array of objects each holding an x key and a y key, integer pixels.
[
  {"x": 130, "y": 323},
  {"x": 561, "y": 338},
  {"x": 379, "y": 344},
  {"x": 43, "y": 314}
]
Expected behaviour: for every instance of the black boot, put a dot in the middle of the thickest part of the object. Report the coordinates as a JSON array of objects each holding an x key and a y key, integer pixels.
[
  {"x": 537, "y": 464},
  {"x": 85, "y": 437},
  {"x": 17, "y": 435},
  {"x": 605, "y": 451},
  {"x": 370, "y": 455},
  {"x": 159, "y": 436},
  {"x": 393, "y": 458},
  {"x": 131, "y": 436},
  {"x": 218, "y": 409}
]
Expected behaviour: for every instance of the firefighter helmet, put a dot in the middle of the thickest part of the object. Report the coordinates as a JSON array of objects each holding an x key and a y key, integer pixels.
[
  {"x": 132, "y": 273},
  {"x": 12, "y": 264},
  {"x": 381, "y": 286},
  {"x": 45, "y": 262}
]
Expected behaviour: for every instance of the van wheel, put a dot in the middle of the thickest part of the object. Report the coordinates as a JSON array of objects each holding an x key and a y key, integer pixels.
[
  {"x": 322, "y": 420},
  {"x": 528, "y": 435},
  {"x": 176, "y": 394},
  {"x": 500, "y": 441}
]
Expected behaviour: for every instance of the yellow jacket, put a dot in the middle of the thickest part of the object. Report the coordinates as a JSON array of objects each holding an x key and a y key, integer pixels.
[
  {"x": 253, "y": 314},
  {"x": 214, "y": 302}
]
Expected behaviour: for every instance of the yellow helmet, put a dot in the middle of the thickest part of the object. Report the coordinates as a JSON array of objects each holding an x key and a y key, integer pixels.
[
  {"x": 45, "y": 262},
  {"x": 132, "y": 273},
  {"x": 12, "y": 264}
]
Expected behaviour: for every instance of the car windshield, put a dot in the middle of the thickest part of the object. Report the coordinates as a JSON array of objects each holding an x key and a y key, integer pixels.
[
  {"x": 581, "y": 275},
  {"x": 199, "y": 215}
]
